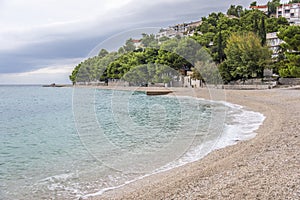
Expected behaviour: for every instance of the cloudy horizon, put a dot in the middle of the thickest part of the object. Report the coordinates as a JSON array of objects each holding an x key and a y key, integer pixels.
[{"x": 42, "y": 41}]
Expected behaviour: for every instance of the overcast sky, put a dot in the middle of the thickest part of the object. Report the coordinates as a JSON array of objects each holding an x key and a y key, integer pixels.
[{"x": 42, "y": 41}]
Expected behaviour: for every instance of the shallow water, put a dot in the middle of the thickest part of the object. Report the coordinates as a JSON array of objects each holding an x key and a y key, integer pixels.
[{"x": 56, "y": 143}]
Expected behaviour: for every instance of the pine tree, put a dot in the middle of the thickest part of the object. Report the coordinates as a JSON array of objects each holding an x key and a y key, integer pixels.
[
  {"x": 262, "y": 31},
  {"x": 255, "y": 26},
  {"x": 220, "y": 48}
]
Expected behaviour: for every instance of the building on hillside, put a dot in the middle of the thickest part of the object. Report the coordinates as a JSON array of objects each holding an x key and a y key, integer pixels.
[
  {"x": 231, "y": 16},
  {"x": 263, "y": 8},
  {"x": 273, "y": 43},
  {"x": 187, "y": 28},
  {"x": 191, "y": 27},
  {"x": 179, "y": 30},
  {"x": 137, "y": 43},
  {"x": 168, "y": 32},
  {"x": 289, "y": 11}
]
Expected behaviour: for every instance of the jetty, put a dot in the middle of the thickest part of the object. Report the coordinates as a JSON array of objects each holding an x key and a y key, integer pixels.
[
  {"x": 56, "y": 85},
  {"x": 157, "y": 92}
]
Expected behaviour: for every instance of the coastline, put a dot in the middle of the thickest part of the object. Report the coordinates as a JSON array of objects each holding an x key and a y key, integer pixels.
[{"x": 263, "y": 167}]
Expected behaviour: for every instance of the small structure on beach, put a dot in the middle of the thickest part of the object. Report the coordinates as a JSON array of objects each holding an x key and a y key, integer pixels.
[{"x": 158, "y": 92}]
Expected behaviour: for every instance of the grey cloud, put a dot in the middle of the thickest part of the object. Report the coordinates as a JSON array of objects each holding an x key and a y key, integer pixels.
[{"x": 36, "y": 56}]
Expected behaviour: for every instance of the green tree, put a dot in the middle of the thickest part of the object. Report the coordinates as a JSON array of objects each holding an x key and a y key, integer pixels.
[
  {"x": 164, "y": 74},
  {"x": 294, "y": 1},
  {"x": 129, "y": 45},
  {"x": 122, "y": 65},
  {"x": 73, "y": 76},
  {"x": 272, "y": 6},
  {"x": 291, "y": 68},
  {"x": 210, "y": 23},
  {"x": 102, "y": 53},
  {"x": 208, "y": 72},
  {"x": 163, "y": 39},
  {"x": 204, "y": 39},
  {"x": 101, "y": 65},
  {"x": 274, "y": 24},
  {"x": 220, "y": 47},
  {"x": 225, "y": 72},
  {"x": 231, "y": 10},
  {"x": 245, "y": 57},
  {"x": 262, "y": 31},
  {"x": 235, "y": 10},
  {"x": 291, "y": 37},
  {"x": 169, "y": 51},
  {"x": 187, "y": 48},
  {"x": 254, "y": 3},
  {"x": 149, "y": 40},
  {"x": 141, "y": 75},
  {"x": 171, "y": 59},
  {"x": 196, "y": 74},
  {"x": 239, "y": 10},
  {"x": 150, "y": 55},
  {"x": 255, "y": 26},
  {"x": 250, "y": 21}
]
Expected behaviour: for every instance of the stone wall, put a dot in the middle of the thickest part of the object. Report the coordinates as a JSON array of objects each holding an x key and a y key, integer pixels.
[
  {"x": 289, "y": 81},
  {"x": 246, "y": 87}
]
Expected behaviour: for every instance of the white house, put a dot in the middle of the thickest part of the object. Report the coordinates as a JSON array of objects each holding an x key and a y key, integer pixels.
[
  {"x": 179, "y": 30},
  {"x": 168, "y": 32},
  {"x": 263, "y": 8},
  {"x": 273, "y": 43},
  {"x": 137, "y": 43},
  {"x": 289, "y": 11}
]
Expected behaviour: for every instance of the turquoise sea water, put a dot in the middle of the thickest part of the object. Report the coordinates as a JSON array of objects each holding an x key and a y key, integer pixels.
[{"x": 60, "y": 143}]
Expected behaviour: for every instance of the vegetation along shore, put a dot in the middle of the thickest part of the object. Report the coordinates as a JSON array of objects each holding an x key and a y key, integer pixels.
[{"x": 239, "y": 43}]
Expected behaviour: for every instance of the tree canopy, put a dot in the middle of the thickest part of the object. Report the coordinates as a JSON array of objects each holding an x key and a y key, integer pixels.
[
  {"x": 272, "y": 6},
  {"x": 235, "y": 11},
  {"x": 291, "y": 66},
  {"x": 294, "y": 1},
  {"x": 246, "y": 57}
]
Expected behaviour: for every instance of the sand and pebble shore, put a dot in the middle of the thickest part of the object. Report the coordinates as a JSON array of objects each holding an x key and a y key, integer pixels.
[{"x": 265, "y": 167}]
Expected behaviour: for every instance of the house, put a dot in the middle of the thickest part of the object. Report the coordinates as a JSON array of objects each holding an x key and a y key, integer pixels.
[
  {"x": 273, "y": 43},
  {"x": 137, "y": 43},
  {"x": 168, "y": 32},
  {"x": 191, "y": 27},
  {"x": 289, "y": 11},
  {"x": 181, "y": 30},
  {"x": 263, "y": 8}
]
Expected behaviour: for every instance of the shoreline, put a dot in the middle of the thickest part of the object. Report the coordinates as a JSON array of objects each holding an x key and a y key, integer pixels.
[
  {"x": 231, "y": 171},
  {"x": 222, "y": 142}
]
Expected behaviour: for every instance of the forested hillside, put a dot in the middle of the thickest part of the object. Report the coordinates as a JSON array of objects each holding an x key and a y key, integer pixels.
[{"x": 236, "y": 43}]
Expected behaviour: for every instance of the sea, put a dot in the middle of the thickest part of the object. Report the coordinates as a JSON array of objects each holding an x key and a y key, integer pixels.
[{"x": 74, "y": 143}]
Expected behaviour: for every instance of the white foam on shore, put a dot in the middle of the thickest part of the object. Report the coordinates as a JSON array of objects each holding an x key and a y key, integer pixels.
[
  {"x": 100, "y": 192},
  {"x": 242, "y": 126}
]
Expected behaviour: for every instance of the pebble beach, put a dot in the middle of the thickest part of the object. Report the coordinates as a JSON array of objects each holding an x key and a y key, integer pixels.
[{"x": 265, "y": 167}]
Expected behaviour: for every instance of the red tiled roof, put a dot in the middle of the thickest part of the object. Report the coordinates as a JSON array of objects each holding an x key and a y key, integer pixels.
[
  {"x": 136, "y": 41},
  {"x": 289, "y": 5},
  {"x": 257, "y": 7}
]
